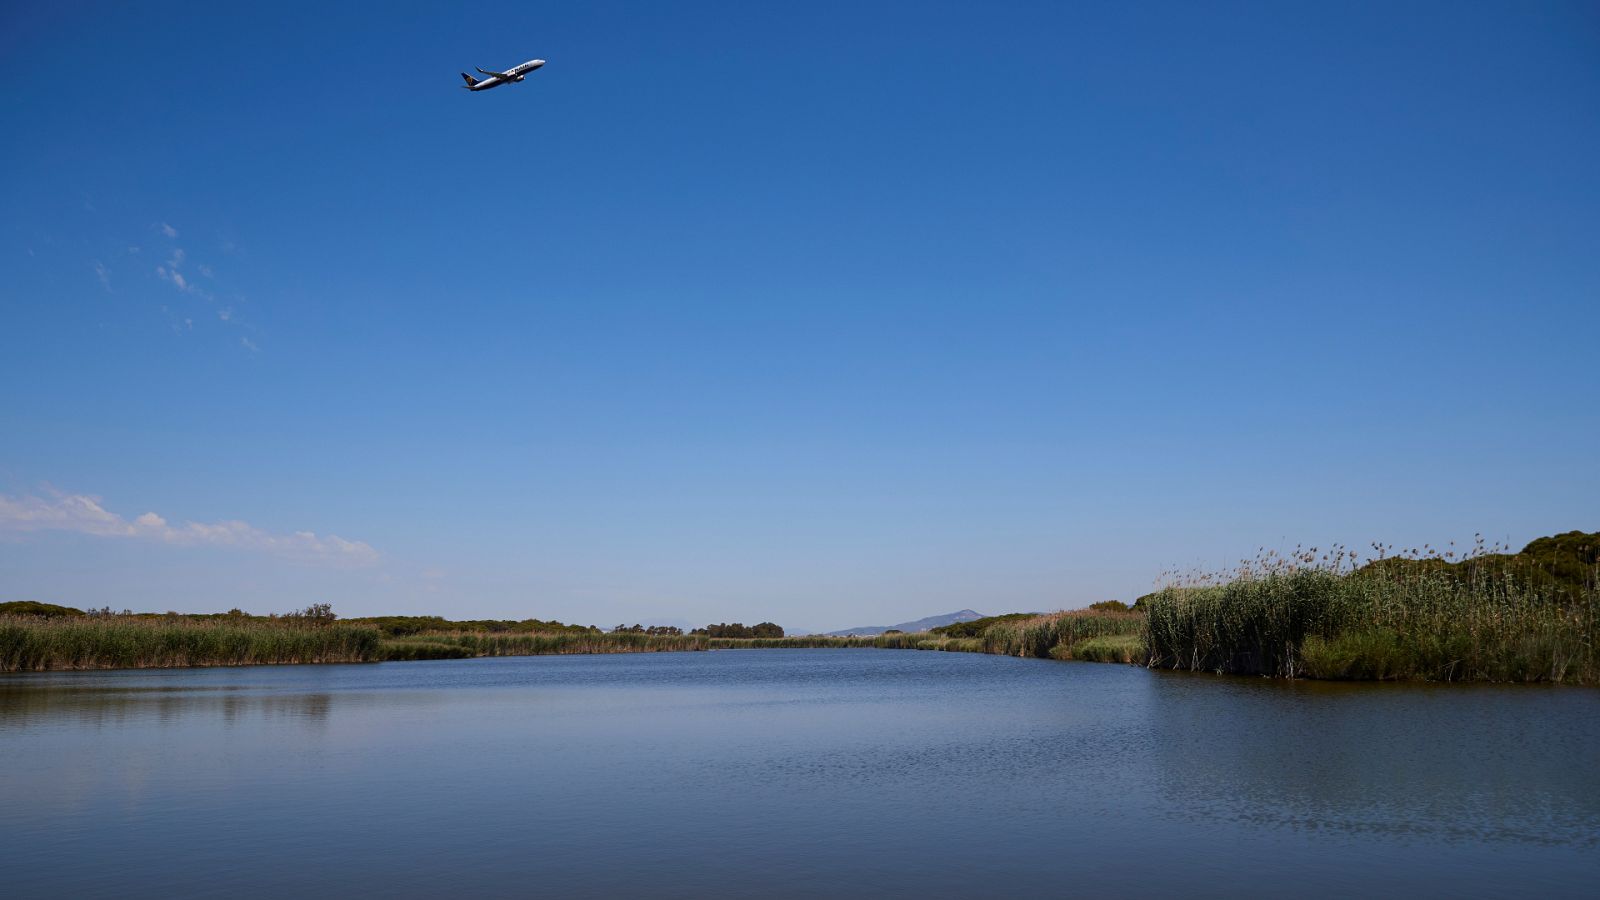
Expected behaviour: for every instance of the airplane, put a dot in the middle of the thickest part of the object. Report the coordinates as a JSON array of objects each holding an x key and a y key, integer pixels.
[{"x": 496, "y": 79}]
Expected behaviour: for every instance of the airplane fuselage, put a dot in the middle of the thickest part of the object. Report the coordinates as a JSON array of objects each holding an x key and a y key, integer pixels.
[{"x": 509, "y": 76}]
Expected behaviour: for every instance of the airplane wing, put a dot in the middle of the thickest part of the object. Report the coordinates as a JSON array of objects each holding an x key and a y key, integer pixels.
[{"x": 494, "y": 74}]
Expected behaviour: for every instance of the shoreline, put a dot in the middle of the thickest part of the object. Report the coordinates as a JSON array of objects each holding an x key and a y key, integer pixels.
[{"x": 1125, "y": 648}]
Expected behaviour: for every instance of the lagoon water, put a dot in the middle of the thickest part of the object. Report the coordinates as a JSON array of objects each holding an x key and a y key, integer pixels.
[{"x": 798, "y": 773}]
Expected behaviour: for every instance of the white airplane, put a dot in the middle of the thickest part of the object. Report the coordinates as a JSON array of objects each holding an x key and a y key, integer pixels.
[{"x": 496, "y": 79}]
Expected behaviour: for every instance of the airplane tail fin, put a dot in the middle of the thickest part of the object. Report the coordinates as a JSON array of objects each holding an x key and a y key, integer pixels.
[{"x": 470, "y": 80}]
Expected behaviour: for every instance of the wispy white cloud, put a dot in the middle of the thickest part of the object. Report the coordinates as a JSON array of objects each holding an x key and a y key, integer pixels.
[
  {"x": 104, "y": 276},
  {"x": 177, "y": 271},
  {"x": 172, "y": 275},
  {"x": 83, "y": 514}
]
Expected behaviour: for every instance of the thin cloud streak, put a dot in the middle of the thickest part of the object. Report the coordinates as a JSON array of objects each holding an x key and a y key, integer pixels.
[{"x": 83, "y": 514}]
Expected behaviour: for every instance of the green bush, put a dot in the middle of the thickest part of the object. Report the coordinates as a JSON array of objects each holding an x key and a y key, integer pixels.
[
  {"x": 977, "y": 627},
  {"x": 35, "y": 608}
]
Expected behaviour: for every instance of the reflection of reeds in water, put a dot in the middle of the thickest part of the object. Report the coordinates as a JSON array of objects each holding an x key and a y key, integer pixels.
[{"x": 23, "y": 701}]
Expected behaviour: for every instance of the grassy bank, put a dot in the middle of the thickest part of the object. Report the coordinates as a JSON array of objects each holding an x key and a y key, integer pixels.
[{"x": 31, "y": 643}]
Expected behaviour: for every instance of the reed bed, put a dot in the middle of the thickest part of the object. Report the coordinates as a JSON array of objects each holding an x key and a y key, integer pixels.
[
  {"x": 32, "y": 643},
  {"x": 1039, "y": 635},
  {"x": 1320, "y": 621},
  {"x": 37, "y": 643},
  {"x": 467, "y": 644},
  {"x": 460, "y": 645},
  {"x": 1116, "y": 648}
]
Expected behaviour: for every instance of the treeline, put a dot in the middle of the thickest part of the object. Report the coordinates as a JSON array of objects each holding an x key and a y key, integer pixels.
[
  {"x": 657, "y": 630},
  {"x": 404, "y": 626},
  {"x": 315, "y": 614},
  {"x": 738, "y": 630},
  {"x": 35, "y": 608}
]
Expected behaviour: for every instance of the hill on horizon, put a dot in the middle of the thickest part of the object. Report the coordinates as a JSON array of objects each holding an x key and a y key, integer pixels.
[{"x": 965, "y": 615}]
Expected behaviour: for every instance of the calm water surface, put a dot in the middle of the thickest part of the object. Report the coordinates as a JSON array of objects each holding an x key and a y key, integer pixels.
[{"x": 788, "y": 773}]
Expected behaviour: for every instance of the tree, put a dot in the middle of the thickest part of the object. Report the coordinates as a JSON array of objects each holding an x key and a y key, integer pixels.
[
  {"x": 317, "y": 615},
  {"x": 740, "y": 630}
]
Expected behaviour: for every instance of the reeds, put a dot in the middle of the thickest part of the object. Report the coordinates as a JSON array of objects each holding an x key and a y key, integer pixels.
[
  {"x": 35, "y": 643},
  {"x": 32, "y": 643},
  {"x": 1322, "y": 617},
  {"x": 458, "y": 645},
  {"x": 1038, "y": 635},
  {"x": 1118, "y": 648},
  {"x": 471, "y": 644}
]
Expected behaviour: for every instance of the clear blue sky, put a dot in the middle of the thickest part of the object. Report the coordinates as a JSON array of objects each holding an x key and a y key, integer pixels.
[{"x": 828, "y": 314}]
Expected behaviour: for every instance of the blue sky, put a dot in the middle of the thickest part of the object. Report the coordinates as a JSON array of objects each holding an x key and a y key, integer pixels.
[{"x": 823, "y": 313}]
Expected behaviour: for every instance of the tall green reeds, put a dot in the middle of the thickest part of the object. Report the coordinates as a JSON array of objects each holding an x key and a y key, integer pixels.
[
  {"x": 36, "y": 643},
  {"x": 1388, "y": 622},
  {"x": 1038, "y": 635},
  {"x": 32, "y": 643}
]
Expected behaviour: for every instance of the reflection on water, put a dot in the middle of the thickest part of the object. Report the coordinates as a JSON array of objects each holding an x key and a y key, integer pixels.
[
  {"x": 21, "y": 704},
  {"x": 788, "y": 773},
  {"x": 1454, "y": 763}
]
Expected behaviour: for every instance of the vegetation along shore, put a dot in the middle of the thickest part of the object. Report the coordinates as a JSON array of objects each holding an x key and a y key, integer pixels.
[{"x": 1429, "y": 614}]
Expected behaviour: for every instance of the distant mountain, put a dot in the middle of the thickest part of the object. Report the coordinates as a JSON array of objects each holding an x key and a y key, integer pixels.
[{"x": 965, "y": 615}]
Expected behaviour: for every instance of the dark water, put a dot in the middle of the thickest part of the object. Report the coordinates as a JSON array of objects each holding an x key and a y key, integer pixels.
[{"x": 788, "y": 773}]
